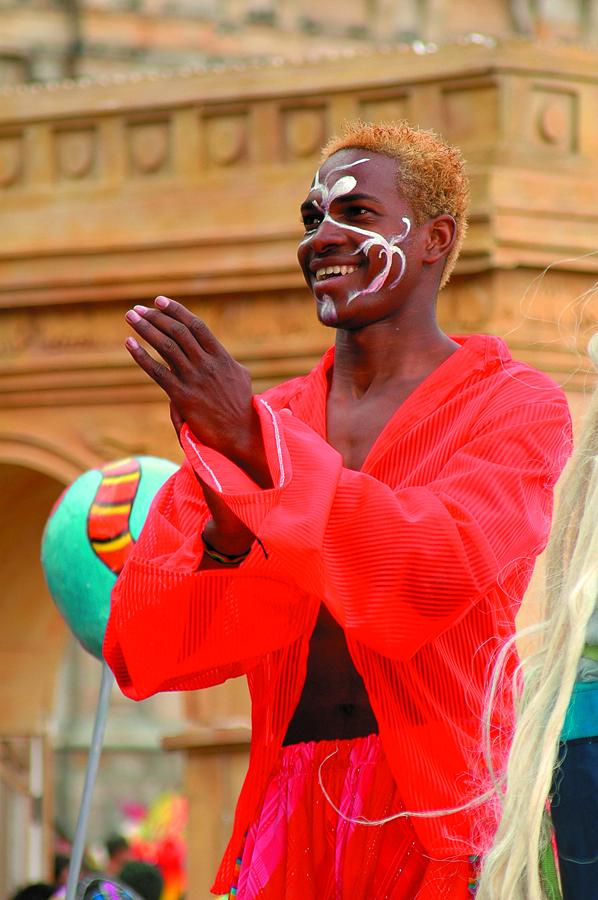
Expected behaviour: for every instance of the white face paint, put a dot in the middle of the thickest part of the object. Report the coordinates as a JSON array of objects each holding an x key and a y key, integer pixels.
[
  {"x": 328, "y": 314},
  {"x": 387, "y": 248}
]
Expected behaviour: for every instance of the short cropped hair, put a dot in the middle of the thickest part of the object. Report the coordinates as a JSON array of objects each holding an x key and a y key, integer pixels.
[
  {"x": 116, "y": 843},
  {"x": 430, "y": 173},
  {"x": 39, "y": 890},
  {"x": 145, "y": 878}
]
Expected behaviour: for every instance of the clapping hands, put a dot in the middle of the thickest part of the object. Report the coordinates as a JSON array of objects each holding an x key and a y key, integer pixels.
[{"x": 207, "y": 388}]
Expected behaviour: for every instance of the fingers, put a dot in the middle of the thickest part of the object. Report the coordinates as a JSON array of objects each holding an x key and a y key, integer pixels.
[
  {"x": 196, "y": 327},
  {"x": 174, "y": 332},
  {"x": 160, "y": 332},
  {"x": 182, "y": 340},
  {"x": 160, "y": 373}
]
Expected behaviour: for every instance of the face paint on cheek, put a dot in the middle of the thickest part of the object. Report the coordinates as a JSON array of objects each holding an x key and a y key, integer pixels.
[{"x": 387, "y": 250}]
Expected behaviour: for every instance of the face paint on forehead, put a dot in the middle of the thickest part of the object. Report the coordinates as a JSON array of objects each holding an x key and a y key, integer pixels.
[
  {"x": 387, "y": 248},
  {"x": 343, "y": 185}
]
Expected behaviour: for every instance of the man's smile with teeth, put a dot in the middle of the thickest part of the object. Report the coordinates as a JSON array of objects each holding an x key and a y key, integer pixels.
[{"x": 327, "y": 271}]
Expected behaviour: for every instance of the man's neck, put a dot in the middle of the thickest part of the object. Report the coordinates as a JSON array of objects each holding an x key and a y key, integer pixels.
[{"x": 371, "y": 358}]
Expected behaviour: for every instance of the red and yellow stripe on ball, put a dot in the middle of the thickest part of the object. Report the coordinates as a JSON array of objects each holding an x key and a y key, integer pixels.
[{"x": 109, "y": 516}]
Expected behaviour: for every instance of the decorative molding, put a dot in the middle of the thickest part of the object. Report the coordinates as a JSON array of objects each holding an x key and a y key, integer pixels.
[
  {"x": 149, "y": 146},
  {"x": 556, "y": 119},
  {"x": 193, "y": 190},
  {"x": 11, "y": 159},
  {"x": 15, "y": 334},
  {"x": 304, "y": 129},
  {"x": 279, "y": 338},
  {"x": 226, "y": 138},
  {"x": 470, "y": 113},
  {"x": 384, "y": 108},
  {"x": 75, "y": 152}
]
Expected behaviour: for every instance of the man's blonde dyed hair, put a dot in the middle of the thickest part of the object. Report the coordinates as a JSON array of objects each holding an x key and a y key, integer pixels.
[{"x": 430, "y": 173}]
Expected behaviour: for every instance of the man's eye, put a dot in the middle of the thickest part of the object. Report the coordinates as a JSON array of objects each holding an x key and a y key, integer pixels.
[
  {"x": 311, "y": 223},
  {"x": 358, "y": 211}
]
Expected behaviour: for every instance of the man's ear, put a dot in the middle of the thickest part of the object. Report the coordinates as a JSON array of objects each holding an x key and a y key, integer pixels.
[{"x": 440, "y": 238}]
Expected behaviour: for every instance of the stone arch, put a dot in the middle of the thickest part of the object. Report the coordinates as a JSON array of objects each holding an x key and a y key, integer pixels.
[
  {"x": 32, "y": 642},
  {"x": 32, "y": 633},
  {"x": 38, "y": 455}
]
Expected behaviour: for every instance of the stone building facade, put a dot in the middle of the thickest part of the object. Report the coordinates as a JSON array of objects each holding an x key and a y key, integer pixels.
[
  {"x": 46, "y": 40},
  {"x": 189, "y": 184}
]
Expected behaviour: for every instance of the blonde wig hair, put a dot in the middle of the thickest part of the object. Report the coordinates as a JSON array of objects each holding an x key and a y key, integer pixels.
[
  {"x": 511, "y": 867},
  {"x": 430, "y": 173}
]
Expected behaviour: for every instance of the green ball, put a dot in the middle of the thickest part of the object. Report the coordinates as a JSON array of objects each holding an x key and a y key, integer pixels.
[{"x": 88, "y": 536}]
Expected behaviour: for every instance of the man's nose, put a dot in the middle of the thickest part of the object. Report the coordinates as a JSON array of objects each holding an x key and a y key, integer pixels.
[{"x": 329, "y": 234}]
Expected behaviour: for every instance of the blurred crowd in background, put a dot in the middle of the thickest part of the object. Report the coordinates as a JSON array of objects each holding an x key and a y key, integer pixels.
[{"x": 149, "y": 856}]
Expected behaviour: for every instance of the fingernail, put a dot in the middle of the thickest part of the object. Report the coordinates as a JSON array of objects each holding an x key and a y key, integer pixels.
[
  {"x": 131, "y": 343},
  {"x": 141, "y": 309},
  {"x": 162, "y": 302},
  {"x": 132, "y": 316}
]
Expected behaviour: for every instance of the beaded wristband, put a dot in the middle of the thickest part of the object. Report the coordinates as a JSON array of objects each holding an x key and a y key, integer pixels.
[{"x": 225, "y": 559}]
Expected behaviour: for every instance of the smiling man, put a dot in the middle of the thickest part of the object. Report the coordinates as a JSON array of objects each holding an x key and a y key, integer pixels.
[{"x": 355, "y": 541}]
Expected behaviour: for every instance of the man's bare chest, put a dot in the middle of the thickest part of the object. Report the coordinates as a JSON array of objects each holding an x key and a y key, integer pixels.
[{"x": 354, "y": 427}]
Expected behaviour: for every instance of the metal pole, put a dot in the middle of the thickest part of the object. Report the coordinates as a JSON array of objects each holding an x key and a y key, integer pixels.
[
  {"x": 36, "y": 786},
  {"x": 93, "y": 760}
]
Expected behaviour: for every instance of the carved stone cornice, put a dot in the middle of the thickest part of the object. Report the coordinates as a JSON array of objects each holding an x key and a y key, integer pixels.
[
  {"x": 199, "y": 175},
  {"x": 188, "y": 184}
]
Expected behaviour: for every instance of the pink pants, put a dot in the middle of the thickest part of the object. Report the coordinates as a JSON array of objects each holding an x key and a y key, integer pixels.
[{"x": 300, "y": 848}]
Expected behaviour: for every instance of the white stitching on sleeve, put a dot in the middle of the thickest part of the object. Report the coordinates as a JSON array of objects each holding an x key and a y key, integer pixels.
[
  {"x": 282, "y": 478},
  {"x": 203, "y": 462}
]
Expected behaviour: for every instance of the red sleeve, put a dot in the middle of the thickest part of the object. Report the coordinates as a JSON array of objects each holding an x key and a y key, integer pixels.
[
  {"x": 172, "y": 627},
  {"x": 398, "y": 567}
]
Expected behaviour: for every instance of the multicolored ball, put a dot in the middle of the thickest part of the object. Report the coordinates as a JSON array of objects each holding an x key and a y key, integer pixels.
[{"x": 88, "y": 536}]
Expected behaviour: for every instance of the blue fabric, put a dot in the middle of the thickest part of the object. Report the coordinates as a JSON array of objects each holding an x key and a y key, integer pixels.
[
  {"x": 581, "y": 720},
  {"x": 574, "y": 809},
  {"x": 98, "y": 887}
]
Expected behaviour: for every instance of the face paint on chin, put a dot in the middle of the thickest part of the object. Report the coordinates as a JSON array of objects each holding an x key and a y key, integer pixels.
[
  {"x": 327, "y": 310},
  {"x": 387, "y": 248}
]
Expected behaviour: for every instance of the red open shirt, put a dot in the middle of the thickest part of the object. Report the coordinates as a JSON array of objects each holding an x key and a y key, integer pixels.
[{"x": 422, "y": 557}]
